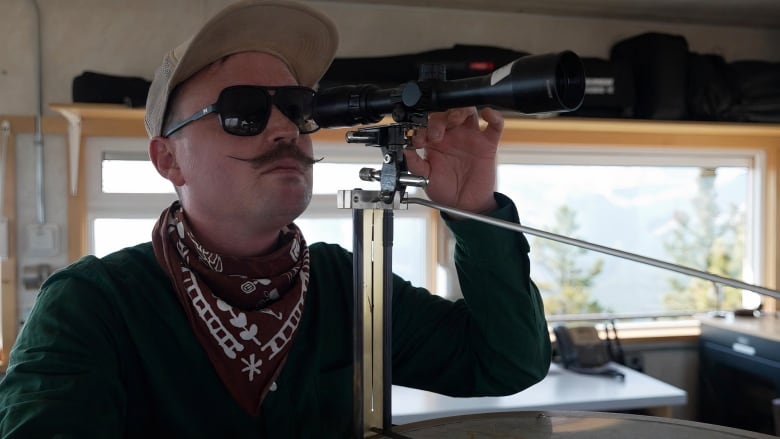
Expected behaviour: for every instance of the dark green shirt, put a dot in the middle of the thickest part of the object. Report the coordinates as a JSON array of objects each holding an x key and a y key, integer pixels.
[{"x": 108, "y": 352}]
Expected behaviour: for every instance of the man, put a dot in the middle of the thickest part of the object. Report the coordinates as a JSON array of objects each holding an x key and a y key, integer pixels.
[{"x": 228, "y": 324}]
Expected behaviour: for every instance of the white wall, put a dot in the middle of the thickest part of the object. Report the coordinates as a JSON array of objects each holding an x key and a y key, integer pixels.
[{"x": 130, "y": 38}]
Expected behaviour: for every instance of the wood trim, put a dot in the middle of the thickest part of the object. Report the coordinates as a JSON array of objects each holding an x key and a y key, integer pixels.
[
  {"x": 9, "y": 322},
  {"x": 771, "y": 226},
  {"x": 78, "y": 243},
  {"x": 683, "y": 332},
  {"x": 9, "y": 316},
  {"x": 26, "y": 124},
  {"x": 90, "y": 120},
  {"x": 645, "y": 133}
]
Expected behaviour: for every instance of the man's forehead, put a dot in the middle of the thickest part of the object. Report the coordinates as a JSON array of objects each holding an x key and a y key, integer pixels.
[
  {"x": 240, "y": 68},
  {"x": 250, "y": 65}
]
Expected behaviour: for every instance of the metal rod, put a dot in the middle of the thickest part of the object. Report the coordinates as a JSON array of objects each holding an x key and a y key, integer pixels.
[
  {"x": 599, "y": 248},
  {"x": 373, "y": 354},
  {"x": 5, "y": 135},
  {"x": 387, "y": 321},
  {"x": 370, "y": 262},
  {"x": 357, "y": 324},
  {"x": 38, "y": 136},
  {"x": 718, "y": 296}
]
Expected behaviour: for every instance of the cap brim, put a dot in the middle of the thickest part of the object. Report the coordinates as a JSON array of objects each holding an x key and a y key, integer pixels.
[{"x": 301, "y": 36}]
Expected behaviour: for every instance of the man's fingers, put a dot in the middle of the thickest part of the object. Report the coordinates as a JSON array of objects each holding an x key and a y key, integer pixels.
[
  {"x": 416, "y": 164},
  {"x": 439, "y": 123},
  {"x": 495, "y": 123},
  {"x": 458, "y": 116}
]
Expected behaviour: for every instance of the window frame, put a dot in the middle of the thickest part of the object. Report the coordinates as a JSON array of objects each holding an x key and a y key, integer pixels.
[
  {"x": 322, "y": 205},
  {"x": 107, "y": 205},
  {"x": 9, "y": 322},
  {"x": 564, "y": 155},
  {"x": 639, "y": 137}
]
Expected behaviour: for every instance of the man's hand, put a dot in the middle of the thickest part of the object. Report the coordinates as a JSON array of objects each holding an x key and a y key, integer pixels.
[{"x": 459, "y": 159}]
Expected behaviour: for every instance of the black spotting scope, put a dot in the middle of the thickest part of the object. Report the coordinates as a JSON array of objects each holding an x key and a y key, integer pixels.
[{"x": 531, "y": 84}]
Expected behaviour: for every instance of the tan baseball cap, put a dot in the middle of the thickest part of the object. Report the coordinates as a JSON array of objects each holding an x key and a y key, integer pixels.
[{"x": 303, "y": 37}]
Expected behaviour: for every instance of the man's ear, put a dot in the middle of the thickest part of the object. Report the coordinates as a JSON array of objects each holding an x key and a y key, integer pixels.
[{"x": 163, "y": 156}]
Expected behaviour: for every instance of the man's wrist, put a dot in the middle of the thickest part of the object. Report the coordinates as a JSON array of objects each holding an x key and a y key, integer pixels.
[{"x": 485, "y": 209}]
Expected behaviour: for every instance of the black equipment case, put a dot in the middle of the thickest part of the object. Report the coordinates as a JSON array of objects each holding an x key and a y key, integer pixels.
[
  {"x": 659, "y": 67},
  {"x": 609, "y": 90},
  {"x": 460, "y": 61},
  {"x": 103, "y": 88}
]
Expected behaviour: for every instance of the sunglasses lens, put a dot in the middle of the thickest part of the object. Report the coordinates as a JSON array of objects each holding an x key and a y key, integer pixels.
[
  {"x": 244, "y": 110},
  {"x": 297, "y": 103}
]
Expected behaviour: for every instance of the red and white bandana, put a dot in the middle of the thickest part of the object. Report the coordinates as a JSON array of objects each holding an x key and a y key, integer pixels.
[{"x": 244, "y": 311}]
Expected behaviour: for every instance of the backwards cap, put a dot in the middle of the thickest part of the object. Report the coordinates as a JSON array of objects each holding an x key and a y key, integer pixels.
[{"x": 304, "y": 38}]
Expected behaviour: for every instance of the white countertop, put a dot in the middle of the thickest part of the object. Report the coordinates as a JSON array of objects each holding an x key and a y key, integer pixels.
[{"x": 560, "y": 390}]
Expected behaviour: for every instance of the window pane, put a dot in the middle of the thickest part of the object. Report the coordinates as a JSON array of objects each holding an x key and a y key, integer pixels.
[
  {"x": 329, "y": 178},
  {"x": 409, "y": 255},
  {"x": 122, "y": 176},
  {"x": 690, "y": 216},
  {"x": 112, "y": 234}
]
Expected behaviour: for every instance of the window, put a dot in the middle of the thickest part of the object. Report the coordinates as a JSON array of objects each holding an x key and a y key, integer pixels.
[
  {"x": 697, "y": 210},
  {"x": 322, "y": 221},
  {"x": 125, "y": 194},
  {"x": 125, "y": 204}
]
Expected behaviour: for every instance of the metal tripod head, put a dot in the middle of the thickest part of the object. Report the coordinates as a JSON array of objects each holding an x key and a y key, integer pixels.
[
  {"x": 393, "y": 177},
  {"x": 394, "y": 138}
]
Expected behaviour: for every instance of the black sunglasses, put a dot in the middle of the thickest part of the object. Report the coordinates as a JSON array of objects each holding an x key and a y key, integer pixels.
[{"x": 244, "y": 109}]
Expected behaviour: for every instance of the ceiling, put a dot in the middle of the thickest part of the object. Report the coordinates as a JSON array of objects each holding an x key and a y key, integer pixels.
[{"x": 743, "y": 13}]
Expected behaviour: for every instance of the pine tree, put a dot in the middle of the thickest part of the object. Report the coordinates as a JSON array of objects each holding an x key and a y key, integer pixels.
[
  {"x": 568, "y": 291},
  {"x": 706, "y": 241}
]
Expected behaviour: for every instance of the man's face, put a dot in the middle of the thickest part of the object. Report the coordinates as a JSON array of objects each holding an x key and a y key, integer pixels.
[{"x": 225, "y": 179}]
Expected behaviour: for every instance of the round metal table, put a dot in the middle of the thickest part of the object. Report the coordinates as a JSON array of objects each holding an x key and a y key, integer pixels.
[{"x": 565, "y": 425}]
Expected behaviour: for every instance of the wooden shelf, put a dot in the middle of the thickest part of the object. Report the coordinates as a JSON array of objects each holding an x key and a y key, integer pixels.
[
  {"x": 98, "y": 111},
  {"x": 647, "y": 133},
  {"x": 121, "y": 121}
]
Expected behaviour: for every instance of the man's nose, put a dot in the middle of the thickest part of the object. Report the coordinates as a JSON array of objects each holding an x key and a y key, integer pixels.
[{"x": 280, "y": 126}]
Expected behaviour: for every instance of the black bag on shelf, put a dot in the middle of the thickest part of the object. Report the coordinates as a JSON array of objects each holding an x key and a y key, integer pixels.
[
  {"x": 609, "y": 90},
  {"x": 711, "y": 93},
  {"x": 103, "y": 88},
  {"x": 659, "y": 66},
  {"x": 460, "y": 61},
  {"x": 743, "y": 91},
  {"x": 757, "y": 88}
]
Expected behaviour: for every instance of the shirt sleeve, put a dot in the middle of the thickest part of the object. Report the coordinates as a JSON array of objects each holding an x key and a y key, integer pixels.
[
  {"x": 62, "y": 379},
  {"x": 492, "y": 342}
]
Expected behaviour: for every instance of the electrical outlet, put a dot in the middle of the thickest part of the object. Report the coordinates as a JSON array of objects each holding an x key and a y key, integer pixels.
[{"x": 43, "y": 239}]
